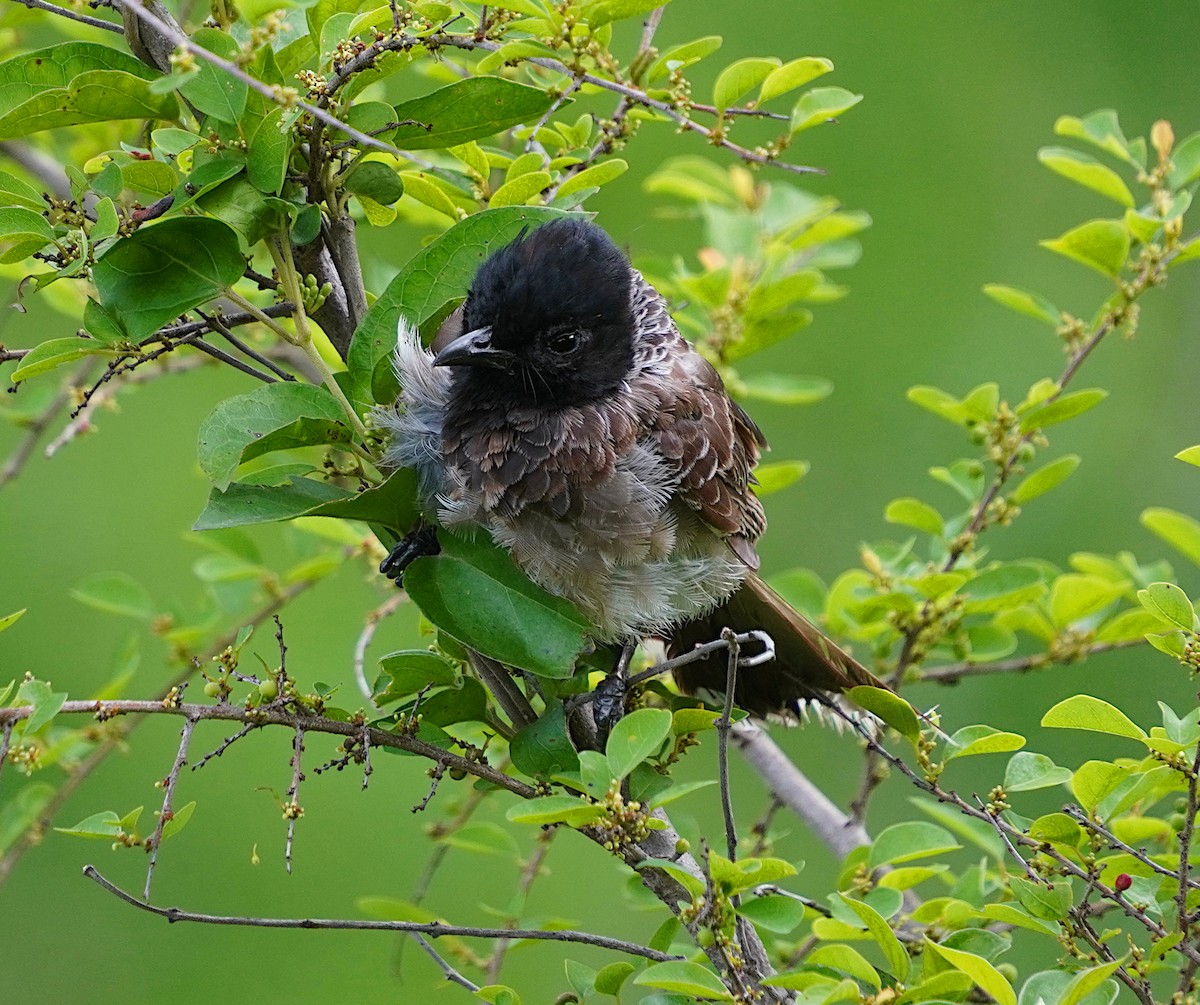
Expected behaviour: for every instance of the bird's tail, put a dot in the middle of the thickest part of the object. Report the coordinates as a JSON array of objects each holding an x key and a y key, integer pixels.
[{"x": 807, "y": 663}]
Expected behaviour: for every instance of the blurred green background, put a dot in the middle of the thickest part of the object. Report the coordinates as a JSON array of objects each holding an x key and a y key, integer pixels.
[{"x": 941, "y": 153}]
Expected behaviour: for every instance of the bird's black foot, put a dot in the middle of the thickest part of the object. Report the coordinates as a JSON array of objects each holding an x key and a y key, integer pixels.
[
  {"x": 422, "y": 541},
  {"x": 608, "y": 702}
]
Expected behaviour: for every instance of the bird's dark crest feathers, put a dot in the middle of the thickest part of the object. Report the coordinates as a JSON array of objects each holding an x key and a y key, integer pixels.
[{"x": 558, "y": 299}]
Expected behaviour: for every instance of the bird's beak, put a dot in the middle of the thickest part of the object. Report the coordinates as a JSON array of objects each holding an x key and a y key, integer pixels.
[{"x": 475, "y": 349}]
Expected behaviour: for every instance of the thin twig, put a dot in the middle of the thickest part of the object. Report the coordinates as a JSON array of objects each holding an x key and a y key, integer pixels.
[
  {"x": 370, "y": 623},
  {"x": 722, "y": 726},
  {"x": 433, "y": 929},
  {"x": 274, "y": 94},
  {"x": 166, "y": 701},
  {"x": 225, "y": 744},
  {"x": 452, "y": 975},
  {"x": 531, "y": 871},
  {"x": 292, "y": 809},
  {"x": 219, "y": 325},
  {"x": 957, "y": 671},
  {"x": 167, "y": 812},
  {"x": 92, "y": 22}
]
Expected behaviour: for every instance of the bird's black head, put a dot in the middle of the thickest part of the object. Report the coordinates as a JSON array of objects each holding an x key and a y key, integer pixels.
[{"x": 548, "y": 319}]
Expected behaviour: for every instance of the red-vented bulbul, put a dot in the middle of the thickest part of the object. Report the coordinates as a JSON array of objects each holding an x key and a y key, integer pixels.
[{"x": 562, "y": 411}]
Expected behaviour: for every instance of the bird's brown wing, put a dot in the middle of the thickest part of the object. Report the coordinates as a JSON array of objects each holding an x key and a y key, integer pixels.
[{"x": 695, "y": 426}]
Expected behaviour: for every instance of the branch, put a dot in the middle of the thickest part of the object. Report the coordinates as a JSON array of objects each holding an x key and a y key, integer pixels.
[
  {"x": 793, "y": 788},
  {"x": 273, "y": 94},
  {"x": 957, "y": 671},
  {"x": 166, "y": 813},
  {"x": 452, "y": 975},
  {"x": 93, "y": 22},
  {"x": 434, "y": 929},
  {"x": 723, "y": 726}
]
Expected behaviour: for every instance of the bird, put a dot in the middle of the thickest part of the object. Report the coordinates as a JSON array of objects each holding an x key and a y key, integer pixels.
[{"x": 560, "y": 410}]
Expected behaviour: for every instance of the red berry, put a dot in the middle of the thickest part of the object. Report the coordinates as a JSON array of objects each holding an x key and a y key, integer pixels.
[{"x": 1123, "y": 882}]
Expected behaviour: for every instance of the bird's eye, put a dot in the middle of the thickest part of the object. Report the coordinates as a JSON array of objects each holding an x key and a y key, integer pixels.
[{"x": 566, "y": 342}]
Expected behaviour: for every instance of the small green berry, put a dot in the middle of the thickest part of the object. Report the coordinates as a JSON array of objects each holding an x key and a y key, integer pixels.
[{"x": 213, "y": 689}]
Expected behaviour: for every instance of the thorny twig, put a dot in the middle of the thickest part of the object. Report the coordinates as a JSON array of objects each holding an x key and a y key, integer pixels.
[
  {"x": 167, "y": 812},
  {"x": 292, "y": 809},
  {"x": 114, "y": 740},
  {"x": 433, "y": 929}
]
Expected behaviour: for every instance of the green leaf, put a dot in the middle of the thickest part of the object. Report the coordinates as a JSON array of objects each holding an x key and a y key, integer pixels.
[
  {"x": 1062, "y": 408},
  {"x": 1085, "y": 712},
  {"x": 178, "y": 820},
  {"x": 407, "y": 671},
  {"x": 1102, "y": 130},
  {"x": 594, "y": 176},
  {"x": 543, "y": 748},
  {"x": 45, "y": 702},
  {"x": 775, "y": 913},
  {"x": 267, "y": 154},
  {"x": 22, "y": 232},
  {"x": 685, "y": 978},
  {"x": 821, "y": 104},
  {"x": 1025, "y": 302},
  {"x": 1047, "y": 477},
  {"x": 777, "y": 476},
  {"x": 1100, "y": 244},
  {"x": 1093, "y": 781},
  {"x": 793, "y": 74},
  {"x": 1087, "y": 981},
  {"x": 1002, "y": 586},
  {"x": 116, "y": 593},
  {"x": 161, "y": 271},
  {"x": 481, "y": 839},
  {"x": 436, "y": 274},
  {"x": 75, "y": 83},
  {"x": 1088, "y": 172},
  {"x": 971, "y": 741},
  {"x": 1169, "y": 602},
  {"x": 985, "y": 976},
  {"x": 610, "y": 978},
  {"x": 213, "y": 90},
  {"x": 636, "y": 737},
  {"x": 602, "y": 12},
  {"x": 739, "y": 78},
  {"x": 518, "y": 191},
  {"x": 49, "y": 355},
  {"x": 14, "y": 192},
  {"x": 913, "y": 513},
  {"x": 785, "y": 388},
  {"x": 20, "y": 811},
  {"x": 1056, "y": 827},
  {"x": 890, "y": 707},
  {"x": 1051, "y": 903},
  {"x": 893, "y": 952},
  {"x": 688, "y": 880},
  {"x": 904, "y": 842},
  {"x": 104, "y": 826},
  {"x": 276, "y": 416},
  {"x": 1027, "y": 771},
  {"x": 1189, "y": 455},
  {"x": 680, "y": 57},
  {"x": 376, "y": 181},
  {"x": 1074, "y": 597},
  {"x": 11, "y": 619},
  {"x": 467, "y": 109},
  {"x": 1181, "y": 532},
  {"x": 940, "y": 403},
  {"x": 243, "y": 503},
  {"x": 476, "y": 594},
  {"x": 569, "y": 810}
]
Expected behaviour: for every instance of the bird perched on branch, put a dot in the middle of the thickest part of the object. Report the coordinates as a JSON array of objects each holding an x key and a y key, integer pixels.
[{"x": 563, "y": 412}]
